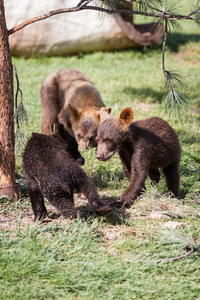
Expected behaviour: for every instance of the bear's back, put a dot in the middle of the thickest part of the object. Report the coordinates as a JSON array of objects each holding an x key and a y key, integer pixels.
[
  {"x": 157, "y": 126},
  {"x": 45, "y": 154},
  {"x": 156, "y": 139}
]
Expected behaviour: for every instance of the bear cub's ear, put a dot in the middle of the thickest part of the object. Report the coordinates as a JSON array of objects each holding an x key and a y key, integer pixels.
[
  {"x": 75, "y": 112},
  {"x": 126, "y": 116},
  {"x": 104, "y": 113},
  {"x": 63, "y": 131}
]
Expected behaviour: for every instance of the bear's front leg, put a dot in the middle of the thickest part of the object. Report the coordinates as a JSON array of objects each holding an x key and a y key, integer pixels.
[
  {"x": 135, "y": 187},
  {"x": 89, "y": 190}
]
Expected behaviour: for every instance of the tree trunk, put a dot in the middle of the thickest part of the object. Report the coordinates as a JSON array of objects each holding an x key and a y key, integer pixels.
[{"x": 7, "y": 157}]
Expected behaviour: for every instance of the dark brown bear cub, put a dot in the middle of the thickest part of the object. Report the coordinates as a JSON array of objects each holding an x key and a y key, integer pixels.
[
  {"x": 51, "y": 167},
  {"x": 144, "y": 147}
]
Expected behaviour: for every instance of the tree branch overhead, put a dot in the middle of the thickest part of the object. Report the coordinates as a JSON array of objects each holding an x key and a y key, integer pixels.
[{"x": 83, "y": 5}]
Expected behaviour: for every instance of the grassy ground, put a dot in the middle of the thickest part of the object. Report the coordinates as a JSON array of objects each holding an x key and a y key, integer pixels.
[{"x": 115, "y": 256}]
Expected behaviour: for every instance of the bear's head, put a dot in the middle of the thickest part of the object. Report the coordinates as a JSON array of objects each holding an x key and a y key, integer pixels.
[
  {"x": 85, "y": 124},
  {"x": 112, "y": 132}
]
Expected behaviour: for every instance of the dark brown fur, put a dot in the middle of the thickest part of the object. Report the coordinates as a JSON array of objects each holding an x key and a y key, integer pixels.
[
  {"x": 70, "y": 98},
  {"x": 144, "y": 147},
  {"x": 51, "y": 169}
]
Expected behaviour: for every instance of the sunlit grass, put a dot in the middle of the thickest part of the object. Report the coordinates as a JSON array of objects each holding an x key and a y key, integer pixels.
[{"x": 103, "y": 258}]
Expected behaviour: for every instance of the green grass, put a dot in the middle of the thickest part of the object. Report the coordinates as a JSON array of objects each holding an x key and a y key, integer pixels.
[{"x": 104, "y": 258}]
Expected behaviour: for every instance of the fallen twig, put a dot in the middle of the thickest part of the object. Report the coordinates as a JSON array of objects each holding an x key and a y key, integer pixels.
[{"x": 192, "y": 250}]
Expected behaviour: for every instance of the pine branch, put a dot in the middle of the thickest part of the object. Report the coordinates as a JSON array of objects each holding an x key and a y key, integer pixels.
[
  {"x": 175, "y": 79},
  {"x": 20, "y": 115},
  {"x": 174, "y": 101},
  {"x": 20, "y": 140},
  {"x": 20, "y": 112},
  {"x": 83, "y": 5},
  {"x": 163, "y": 57}
]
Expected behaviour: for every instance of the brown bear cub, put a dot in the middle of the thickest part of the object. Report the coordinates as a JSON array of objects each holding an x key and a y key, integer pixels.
[
  {"x": 70, "y": 98},
  {"x": 144, "y": 147},
  {"x": 51, "y": 167}
]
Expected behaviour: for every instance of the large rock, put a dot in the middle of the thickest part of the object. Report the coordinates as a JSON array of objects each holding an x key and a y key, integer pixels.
[{"x": 72, "y": 33}]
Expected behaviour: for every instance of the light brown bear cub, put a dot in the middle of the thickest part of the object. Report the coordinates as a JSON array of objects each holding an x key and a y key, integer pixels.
[
  {"x": 144, "y": 147},
  {"x": 70, "y": 98}
]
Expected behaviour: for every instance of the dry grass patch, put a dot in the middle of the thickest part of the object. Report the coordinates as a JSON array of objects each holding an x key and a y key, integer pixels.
[{"x": 153, "y": 201}]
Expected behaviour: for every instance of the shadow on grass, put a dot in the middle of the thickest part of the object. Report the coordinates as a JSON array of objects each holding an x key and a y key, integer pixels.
[
  {"x": 174, "y": 41},
  {"x": 177, "y": 39},
  {"x": 114, "y": 217},
  {"x": 117, "y": 216},
  {"x": 144, "y": 93}
]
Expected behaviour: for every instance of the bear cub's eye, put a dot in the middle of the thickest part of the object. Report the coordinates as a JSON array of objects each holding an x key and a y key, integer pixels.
[
  {"x": 78, "y": 136},
  {"x": 92, "y": 138},
  {"x": 107, "y": 140}
]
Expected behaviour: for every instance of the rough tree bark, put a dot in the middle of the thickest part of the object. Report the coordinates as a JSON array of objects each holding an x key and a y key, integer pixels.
[{"x": 7, "y": 157}]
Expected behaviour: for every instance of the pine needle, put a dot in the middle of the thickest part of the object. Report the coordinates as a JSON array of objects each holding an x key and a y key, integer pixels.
[
  {"x": 175, "y": 102},
  {"x": 20, "y": 113},
  {"x": 176, "y": 239},
  {"x": 20, "y": 141},
  {"x": 175, "y": 79}
]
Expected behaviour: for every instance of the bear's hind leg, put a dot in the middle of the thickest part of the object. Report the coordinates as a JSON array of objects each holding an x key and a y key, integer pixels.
[
  {"x": 50, "y": 106},
  {"x": 172, "y": 175},
  {"x": 49, "y": 121},
  {"x": 154, "y": 175},
  {"x": 64, "y": 118},
  {"x": 37, "y": 202},
  {"x": 64, "y": 202}
]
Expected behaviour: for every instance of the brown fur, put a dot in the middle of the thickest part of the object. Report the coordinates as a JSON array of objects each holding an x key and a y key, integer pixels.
[
  {"x": 144, "y": 147},
  {"x": 70, "y": 98},
  {"x": 51, "y": 167}
]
